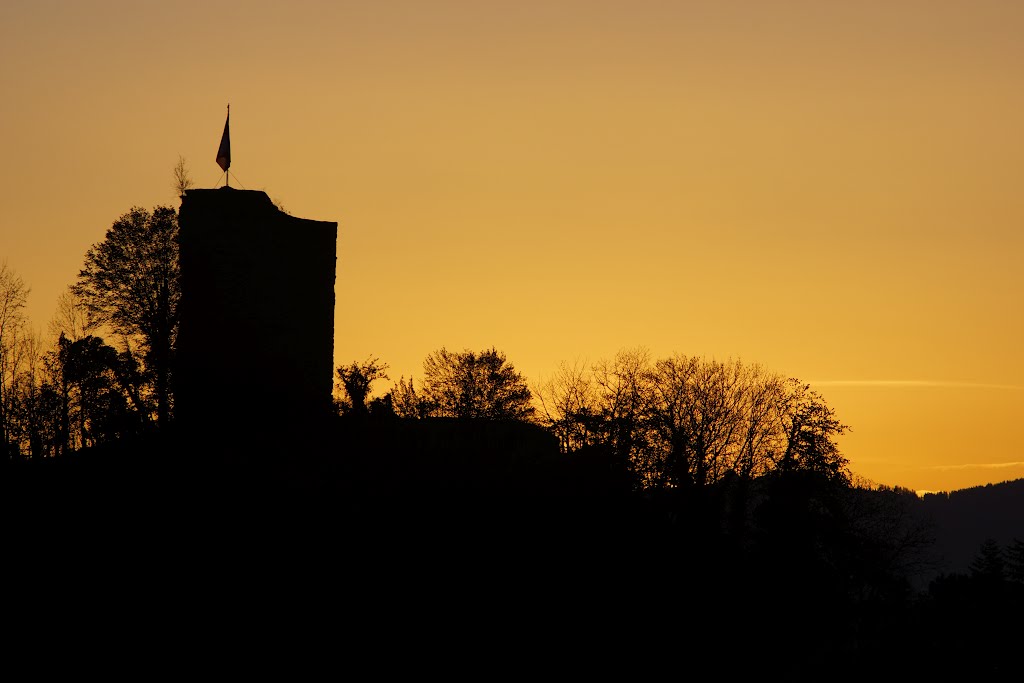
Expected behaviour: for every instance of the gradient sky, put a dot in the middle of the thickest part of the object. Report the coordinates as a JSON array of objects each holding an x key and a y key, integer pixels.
[{"x": 828, "y": 189}]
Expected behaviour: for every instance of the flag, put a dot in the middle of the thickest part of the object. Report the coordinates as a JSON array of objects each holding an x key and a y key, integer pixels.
[{"x": 224, "y": 152}]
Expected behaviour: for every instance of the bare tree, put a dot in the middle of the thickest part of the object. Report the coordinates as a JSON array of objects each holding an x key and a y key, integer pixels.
[
  {"x": 28, "y": 391},
  {"x": 672, "y": 415},
  {"x": 623, "y": 390},
  {"x": 13, "y": 298},
  {"x": 569, "y": 406},
  {"x": 182, "y": 178},
  {"x": 20, "y": 378},
  {"x": 715, "y": 418},
  {"x": 760, "y": 435},
  {"x": 701, "y": 417},
  {"x": 71, "y": 318}
]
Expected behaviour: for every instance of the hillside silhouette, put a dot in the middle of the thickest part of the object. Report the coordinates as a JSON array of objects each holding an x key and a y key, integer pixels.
[{"x": 490, "y": 519}]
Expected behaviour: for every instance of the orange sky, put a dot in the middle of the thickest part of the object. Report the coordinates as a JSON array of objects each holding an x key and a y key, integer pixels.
[{"x": 827, "y": 189}]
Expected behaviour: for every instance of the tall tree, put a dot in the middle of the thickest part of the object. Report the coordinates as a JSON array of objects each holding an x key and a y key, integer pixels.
[
  {"x": 624, "y": 391},
  {"x": 811, "y": 428},
  {"x": 569, "y": 406},
  {"x": 130, "y": 283},
  {"x": 989, "y": 564},
  {"x": 1015, "y": 561},
  {"x": 13, "y": 297}
]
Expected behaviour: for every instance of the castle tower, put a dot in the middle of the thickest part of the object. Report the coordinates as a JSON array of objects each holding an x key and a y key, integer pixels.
[{"x": 255, "y": 348}]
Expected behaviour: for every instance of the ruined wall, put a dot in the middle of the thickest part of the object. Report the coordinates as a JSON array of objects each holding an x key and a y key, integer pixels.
[{"x": 256, "y": 337}]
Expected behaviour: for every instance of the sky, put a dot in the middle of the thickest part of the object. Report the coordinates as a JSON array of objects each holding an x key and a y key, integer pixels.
[{"x": 827, "y": 189}]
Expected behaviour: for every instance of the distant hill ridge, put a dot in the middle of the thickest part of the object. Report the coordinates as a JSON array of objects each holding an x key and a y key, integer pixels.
[{"x": 966, "y": 518}]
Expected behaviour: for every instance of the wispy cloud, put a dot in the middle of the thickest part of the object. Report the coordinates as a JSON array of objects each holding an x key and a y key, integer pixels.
[
  {"x": 977, "y": 466},
  {"x": 910, "y": 384}
]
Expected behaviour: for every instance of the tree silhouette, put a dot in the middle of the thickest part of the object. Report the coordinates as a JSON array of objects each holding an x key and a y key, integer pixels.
[
  {"x": 1015, "y": 561},
  {"x": 102, "y": 388},
  {"x": 182, "y": 178},
  {"x": 13, "y": 297},
  {"x": 568, "y": 405},
  {"x": 811, "y": 428},
  {"x": 71, "y": 318},
  {"x": 689, "y": 422},
  {"x": 474, "y": 385},
  {"x": 355, "y": 380},
  {"x": 130, "y": 282},
  {"x": 405, "y": 402},
  {"x": 989, "y": 565},
  {"x": 623, "y": 390}
]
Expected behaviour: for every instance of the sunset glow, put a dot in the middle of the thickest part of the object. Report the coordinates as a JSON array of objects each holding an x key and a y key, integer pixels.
[{"x": 830, "y": 190}]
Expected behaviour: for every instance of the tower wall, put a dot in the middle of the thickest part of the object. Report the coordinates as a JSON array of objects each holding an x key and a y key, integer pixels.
[{"x": 255, "y": 343}]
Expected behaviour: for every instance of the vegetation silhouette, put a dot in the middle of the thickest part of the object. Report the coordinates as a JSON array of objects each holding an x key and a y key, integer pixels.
[
  {"x": 130, "y": 281},
  {"x": 680, "y": 509}
]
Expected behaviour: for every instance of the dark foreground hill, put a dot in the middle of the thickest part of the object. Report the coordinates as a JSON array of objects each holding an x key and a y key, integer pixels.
[{"x": 447, "y": 542}]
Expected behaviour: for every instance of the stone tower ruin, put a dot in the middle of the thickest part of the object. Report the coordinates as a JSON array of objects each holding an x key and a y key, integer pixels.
[{"x": 255, "y": 348}]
